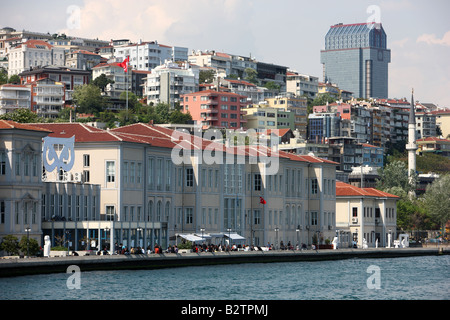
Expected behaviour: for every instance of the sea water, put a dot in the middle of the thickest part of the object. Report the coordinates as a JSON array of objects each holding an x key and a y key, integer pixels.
[{"x": 411, "y": 278}]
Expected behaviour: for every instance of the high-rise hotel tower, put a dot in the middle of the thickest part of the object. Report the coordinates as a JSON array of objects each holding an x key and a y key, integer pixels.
[{"x": 356, "y": 58}]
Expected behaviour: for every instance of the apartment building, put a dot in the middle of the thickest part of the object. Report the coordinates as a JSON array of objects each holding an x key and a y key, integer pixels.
[
  {"x": 13, "y": 97},
  {"x": 47, "y": 97},
  {"x": 365, "y": 216},
  {"x": 148, "y": 55},
  {"x": 82, "y": 59},
  {"x": 295, "y": 104},
  {"x": 261, "y": 117},
  {"x": 302, "y": 84},
  {"x": 215, "y": 109},
  {"x": 147, "y": 198},
  {"x": 168, "y": 82},
  {"x": 69, "y": 77},
  {"x": 34, "y": 53}
]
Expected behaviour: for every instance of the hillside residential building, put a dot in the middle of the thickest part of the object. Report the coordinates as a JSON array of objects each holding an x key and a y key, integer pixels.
[
  {"x": 215, "y": 109},
  {"x": 148, "y": 55},
  {"x": 365, "y": 216},
  {"x": 356, "y": 59},
  {"x": 261, "y": 117},
  {"x": 433, "y": 145},
  {"x": 32, "y": 54},
  {"x": 301, "y": 84},
  {"x": 13, "y": 97},
  {"x": 166, "y": 83},
  {"x": 69, "y": 77},
  {"x": 47, "y": 97},
  {"x": 82, "y": 59}
]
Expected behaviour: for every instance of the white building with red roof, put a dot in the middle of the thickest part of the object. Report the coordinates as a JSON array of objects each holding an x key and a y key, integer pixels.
[
  {"x": 365, "y": 216},
  {"x": 148, "y": 197},
  {"x": 34, "y": 53}
]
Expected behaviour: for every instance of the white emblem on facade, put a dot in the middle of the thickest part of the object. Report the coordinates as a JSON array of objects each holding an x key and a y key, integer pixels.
[{"x": 58, "y": 153}]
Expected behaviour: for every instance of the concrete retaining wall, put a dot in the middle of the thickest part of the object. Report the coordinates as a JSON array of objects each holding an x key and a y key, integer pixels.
[{"x": 30, "y": 266}]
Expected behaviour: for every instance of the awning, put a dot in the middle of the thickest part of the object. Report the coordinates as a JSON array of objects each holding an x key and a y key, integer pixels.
[
  {"x": 204, "y": 236},
  {"x": 190, "y": 237},
  {"x": 234, "y": 236}
]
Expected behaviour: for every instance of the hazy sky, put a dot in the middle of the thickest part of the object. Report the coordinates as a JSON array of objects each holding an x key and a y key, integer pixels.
[{"x": 286, "y": 32}]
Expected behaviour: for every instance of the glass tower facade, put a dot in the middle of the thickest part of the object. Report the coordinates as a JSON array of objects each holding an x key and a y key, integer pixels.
[{"x": 356, "y": 58}]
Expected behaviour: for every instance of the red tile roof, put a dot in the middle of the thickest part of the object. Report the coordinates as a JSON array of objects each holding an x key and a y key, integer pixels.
[
  {"x": 346, "y": 190},
  {"x": 34, "y": 43},
  {"x": 9, "y": 124},
  {"x": 160, "y": 137}
]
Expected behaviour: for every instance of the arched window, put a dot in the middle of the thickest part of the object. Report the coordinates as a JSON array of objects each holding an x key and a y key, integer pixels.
[
  {"x": 158, "y": 211},
  {"x": 167, "y": 212}
]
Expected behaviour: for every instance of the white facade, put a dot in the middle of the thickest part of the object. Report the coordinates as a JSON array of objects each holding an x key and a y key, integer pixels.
[
  {"x": 301, "y": 84},
  {"x": 168, "y": 82},
  {"x": 148, "y": 55},
  {"x": 34, "y": 53},
  {"x": 13, "y": 97}
]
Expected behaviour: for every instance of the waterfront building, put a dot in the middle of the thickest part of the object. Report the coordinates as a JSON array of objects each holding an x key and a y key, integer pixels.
[
  {"x": 20, "y": 179},
  {"x": 138, "y": 196},
  {"x": 356, "y": 58},
  {"x": 215, "y": 109},
  {"x": 365, "y": 216},
  {"x": 13, "y": 97}
]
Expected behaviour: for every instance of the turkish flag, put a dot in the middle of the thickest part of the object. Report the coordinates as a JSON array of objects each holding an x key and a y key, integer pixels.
[
  {"x": 124, "y": 64},
  {"x": 261, "y": 200}
]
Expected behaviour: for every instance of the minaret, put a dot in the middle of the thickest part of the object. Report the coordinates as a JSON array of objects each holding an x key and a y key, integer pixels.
[{"x": 411, "y": 146}]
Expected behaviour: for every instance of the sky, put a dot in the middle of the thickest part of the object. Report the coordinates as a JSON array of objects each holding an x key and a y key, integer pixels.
[{"x": 290, "y": 33}]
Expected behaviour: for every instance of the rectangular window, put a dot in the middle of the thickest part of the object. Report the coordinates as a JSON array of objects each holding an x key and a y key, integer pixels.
[
  {"x": 189, "y": 216},
  {"x": 314, "y": 218},
  {"x": 86, "y": 160},
  {"x": 257, "y": 182},
  {"x": 110, "y": 171},
  {"x": 2, "y": 163},
  {"x": 354, "y": 212},
  {"x": 257, "y": 216},
  {"x": 17, "y": 164},
  {"x": 189, "y": 177},
  {"x": 2, "y": 212},
  {"x": 314, "y": 186}
]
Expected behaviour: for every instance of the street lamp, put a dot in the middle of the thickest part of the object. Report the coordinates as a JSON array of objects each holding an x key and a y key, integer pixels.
[
  {"x": 276, "y": 231},
  {"x": 138, "y": 230},
  {"x": 67, "y": 239},
  {"x": 229, "y": 236},
  {"x": 106, "y": 237},
  {"x": 298, "y": 231},
  {"x": 27, "y": 230},
  {"x": 202, "y": 230}
]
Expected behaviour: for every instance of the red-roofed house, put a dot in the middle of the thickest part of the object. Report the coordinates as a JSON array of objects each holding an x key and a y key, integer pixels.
[
  {"x": 34, "y": 53},
  {"x": 365, "y": 215},
  {"x": 435, "y": 145}
]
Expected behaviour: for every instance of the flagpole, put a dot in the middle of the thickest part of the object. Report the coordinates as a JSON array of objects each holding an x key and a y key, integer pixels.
[{"x": 126, "y": 77}]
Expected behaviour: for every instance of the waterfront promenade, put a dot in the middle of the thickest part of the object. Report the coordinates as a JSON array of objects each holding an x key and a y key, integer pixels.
[{"x": 32, "y": 266}]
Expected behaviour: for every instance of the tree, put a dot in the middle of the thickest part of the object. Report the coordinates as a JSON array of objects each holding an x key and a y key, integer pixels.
[
  {"x": 395, "y": 174},
  {"x": 14, "y": 79},
  {"x": 22, "y": 115},
  {"x": 178, "y": 117},
  {"x": 437, "y": 199},
  {"x": 102, "y": 81},
  {"x": 272, "y": 86},
  {"x": 88, "y": 99},
  {"x": 3, "y": 76},
  {"x": 29, "y": 245},
  {"x": 206, "y": 76},
  {"x": 251, "y": 75},
  {"x": 10, "y": 245}
]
